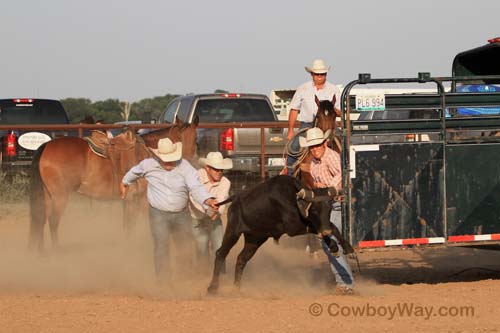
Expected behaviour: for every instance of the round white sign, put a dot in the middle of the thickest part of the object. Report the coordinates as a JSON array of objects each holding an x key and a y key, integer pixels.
[{"x": 33, "y": 140}]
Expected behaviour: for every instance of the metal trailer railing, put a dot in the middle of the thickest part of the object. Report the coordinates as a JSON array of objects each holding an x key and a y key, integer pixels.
[{"x": 398, "y": 173}]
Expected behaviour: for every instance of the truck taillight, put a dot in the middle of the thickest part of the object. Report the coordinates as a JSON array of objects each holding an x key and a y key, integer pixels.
[
  {"x": 11, "y": 144},
  {"x": 23, "y": 100},
  {"x": 230, "y": 95},
  {"x": 227, "y": 139}
]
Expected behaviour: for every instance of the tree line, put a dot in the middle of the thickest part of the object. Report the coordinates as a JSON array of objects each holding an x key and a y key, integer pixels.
[{"x": 111, "y": 111}]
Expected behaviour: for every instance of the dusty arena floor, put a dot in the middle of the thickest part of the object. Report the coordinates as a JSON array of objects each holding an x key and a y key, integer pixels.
[{"x": 99, "y": 280}]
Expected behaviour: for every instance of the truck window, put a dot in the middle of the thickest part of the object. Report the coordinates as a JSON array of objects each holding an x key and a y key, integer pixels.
[
  {"x": 479, "y": 61},
  {"x": 226, "y": 110},
  {"x": 169, "y": 114},
  {"x": 32, "y": 112},
  {"x": 185, "y": 108}
]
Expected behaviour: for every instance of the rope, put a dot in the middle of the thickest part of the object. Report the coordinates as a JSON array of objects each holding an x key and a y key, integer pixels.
[{"x": 298, "y": 154}]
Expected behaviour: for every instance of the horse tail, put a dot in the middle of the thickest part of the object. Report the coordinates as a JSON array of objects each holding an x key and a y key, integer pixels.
[{"x": 37, "y": 202}]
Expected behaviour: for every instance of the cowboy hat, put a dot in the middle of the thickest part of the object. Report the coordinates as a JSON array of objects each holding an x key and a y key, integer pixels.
[
  {"x": 314, "y": 136},
  {"x": 215, "y": 160},
  {"x": 168, "y": 151},
  {"x": 318, "y": 67}
]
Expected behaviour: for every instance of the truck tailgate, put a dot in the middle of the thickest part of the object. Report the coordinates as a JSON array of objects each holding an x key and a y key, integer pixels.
[{"x": 247, "y": 140}]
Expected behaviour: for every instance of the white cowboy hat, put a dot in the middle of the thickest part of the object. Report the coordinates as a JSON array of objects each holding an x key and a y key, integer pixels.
[
  {"x": 318, "y": 67},
  {"x": 168, "y": 151},
  {"x": 314, "y": 136},
  {"x": 215, "y": 160}
]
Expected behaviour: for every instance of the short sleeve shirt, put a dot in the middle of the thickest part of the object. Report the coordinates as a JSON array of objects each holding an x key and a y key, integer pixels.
[{"x": 303, "y": 99}]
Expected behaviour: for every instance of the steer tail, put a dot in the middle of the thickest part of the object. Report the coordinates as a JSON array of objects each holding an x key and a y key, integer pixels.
[{"x": 37, "y": 202}]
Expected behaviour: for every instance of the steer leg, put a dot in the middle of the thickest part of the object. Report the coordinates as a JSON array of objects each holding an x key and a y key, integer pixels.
[
  {"x": 252, "y": 243},
  {"x": 220, "y": 257}
]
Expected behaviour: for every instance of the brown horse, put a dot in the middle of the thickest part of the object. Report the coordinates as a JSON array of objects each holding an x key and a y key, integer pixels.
[
  {"x": 180, "y": 132},
  {"x": 68, "y": 164}
]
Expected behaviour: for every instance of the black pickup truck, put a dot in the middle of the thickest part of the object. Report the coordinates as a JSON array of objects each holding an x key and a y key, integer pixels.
[
  {"x": 18, "y": 147},
  {"x": 242, "y": 145}
]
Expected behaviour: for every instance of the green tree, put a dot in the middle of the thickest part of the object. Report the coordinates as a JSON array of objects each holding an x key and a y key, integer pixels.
[
  {"x": 109, "y": 110},
  {"x": 78, "y": 108},
  {"x": 150, "y": 107}
]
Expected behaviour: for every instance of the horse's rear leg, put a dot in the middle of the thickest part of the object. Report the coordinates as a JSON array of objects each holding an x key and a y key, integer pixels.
[
  {"x": 59, "y": 202},
  {"x": 252, "y": 243},
  {"x": 36, "y": 236},
  {"x": 220, "y": 257},
  {"x": 134, "y": 210}
]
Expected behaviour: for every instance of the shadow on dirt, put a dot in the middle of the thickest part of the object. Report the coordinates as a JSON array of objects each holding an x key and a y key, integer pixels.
[{"x": 430, "y": 265}]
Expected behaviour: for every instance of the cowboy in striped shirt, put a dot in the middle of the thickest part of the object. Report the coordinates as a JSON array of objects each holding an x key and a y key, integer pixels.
[{"x": 326, "y": 172}]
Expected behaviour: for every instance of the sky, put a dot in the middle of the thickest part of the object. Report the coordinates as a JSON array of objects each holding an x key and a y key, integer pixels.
[{"x": 131, "y": 50}]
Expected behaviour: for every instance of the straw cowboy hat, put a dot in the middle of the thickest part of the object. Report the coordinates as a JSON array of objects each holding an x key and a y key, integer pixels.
[
  {"x": 215, "y": 160},
  {"x": 168, "y": 151},
  {"x": 314, "y": 136},
  {"x": 318, "y": 67}
]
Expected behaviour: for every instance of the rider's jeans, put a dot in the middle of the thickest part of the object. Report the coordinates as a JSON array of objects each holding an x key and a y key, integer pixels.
[{"x": 339, "y": 265}]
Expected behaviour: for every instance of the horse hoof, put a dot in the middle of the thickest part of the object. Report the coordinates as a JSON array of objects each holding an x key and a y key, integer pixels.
[{"x": 212, "y": 290}]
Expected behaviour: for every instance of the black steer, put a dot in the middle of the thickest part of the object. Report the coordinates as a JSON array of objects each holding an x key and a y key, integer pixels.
[{"x": 270, "y": 210}]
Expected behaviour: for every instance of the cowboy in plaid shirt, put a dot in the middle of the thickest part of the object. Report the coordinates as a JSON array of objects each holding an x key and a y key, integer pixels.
[{"x": 326, "y": 172}]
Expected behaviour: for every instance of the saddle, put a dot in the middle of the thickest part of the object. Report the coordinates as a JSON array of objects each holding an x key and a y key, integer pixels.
[{"x": 122, "y": 150}]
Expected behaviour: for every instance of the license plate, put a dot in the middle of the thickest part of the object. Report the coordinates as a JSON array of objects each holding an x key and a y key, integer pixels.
[
  {"x": 276, "y": 161},
  {"x": 372, "y": 102}
]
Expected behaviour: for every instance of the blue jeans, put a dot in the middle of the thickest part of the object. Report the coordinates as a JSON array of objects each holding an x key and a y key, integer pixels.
[
  {"x": 167, "y": 227},
  {"x": 339, "y": 265},
  {"x": 208, "y": 238},
  {"x": 295, "y": 147}
]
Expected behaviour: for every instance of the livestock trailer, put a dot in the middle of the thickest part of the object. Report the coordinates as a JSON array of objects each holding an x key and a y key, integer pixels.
[{"x": 424, "y": 168}]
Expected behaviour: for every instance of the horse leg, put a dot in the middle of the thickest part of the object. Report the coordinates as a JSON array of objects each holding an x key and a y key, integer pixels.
[
  {"x": 130, "y": 212},
  {"x": 252, "y": 243},
  {"x": 36, "y": 238},
  {"x": 59, "y": 201},
  {"x": 38, "y": 204},
  {"x": 229, "y": 240}
]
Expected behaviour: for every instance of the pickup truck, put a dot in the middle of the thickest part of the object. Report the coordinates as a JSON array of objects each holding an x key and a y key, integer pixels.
[
  {"x": 18, "y": 147},
  {"x": 242, "y": 145}
]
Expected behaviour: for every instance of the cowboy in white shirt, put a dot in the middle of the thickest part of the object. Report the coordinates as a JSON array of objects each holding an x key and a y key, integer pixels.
[
  {"x": 303, "y": 106},
  {"x": 172, "y": 183},
  {"x": 207, "y": 227}
]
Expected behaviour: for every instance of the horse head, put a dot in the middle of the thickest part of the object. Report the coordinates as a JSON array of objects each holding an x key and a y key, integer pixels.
[
  {"x": 180, "y": 131},
  {"x": 325, "y": 116}
]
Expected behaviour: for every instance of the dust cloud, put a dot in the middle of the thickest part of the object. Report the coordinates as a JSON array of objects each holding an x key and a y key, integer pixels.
[{"x": 96, "y": 256}]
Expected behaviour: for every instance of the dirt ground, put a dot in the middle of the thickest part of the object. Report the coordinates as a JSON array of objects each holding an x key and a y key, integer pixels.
[{"x": 101, "y": 280}]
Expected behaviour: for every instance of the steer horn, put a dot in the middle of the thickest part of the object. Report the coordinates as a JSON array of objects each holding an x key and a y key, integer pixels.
[{"x": 306, "y": 195}]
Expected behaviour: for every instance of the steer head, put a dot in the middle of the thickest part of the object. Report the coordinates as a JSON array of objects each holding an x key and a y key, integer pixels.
[{"x": 319, "y": 204}]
